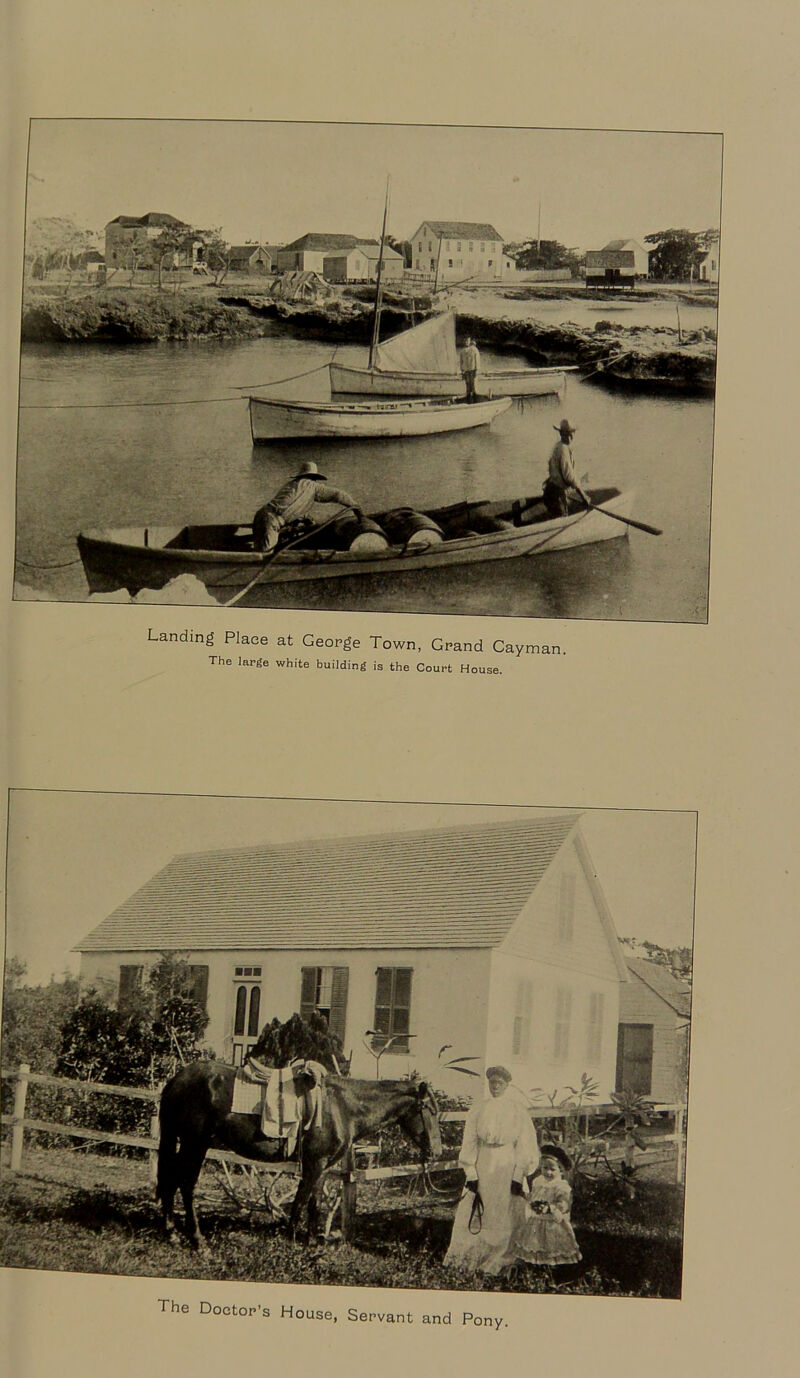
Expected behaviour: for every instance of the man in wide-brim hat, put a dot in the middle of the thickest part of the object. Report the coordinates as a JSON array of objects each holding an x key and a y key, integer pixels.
[
  {"x": 293, "y": 501},
  {"x": 562, "y": 486}
]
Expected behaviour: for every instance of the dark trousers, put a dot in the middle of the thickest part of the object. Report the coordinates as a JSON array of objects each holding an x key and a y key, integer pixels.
[{"x": 469, "y": 381}]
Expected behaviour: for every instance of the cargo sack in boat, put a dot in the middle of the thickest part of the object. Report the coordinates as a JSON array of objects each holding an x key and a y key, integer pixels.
[
  {"x": 406, "y": 527},
  {"x": 350, "y": 532}
]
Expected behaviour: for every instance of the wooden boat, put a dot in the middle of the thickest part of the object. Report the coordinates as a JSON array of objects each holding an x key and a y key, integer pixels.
[
  {"x": 223, "y": 559},
  {"x": 271, "y": 419},
  {"x": 423, "y": 362}
]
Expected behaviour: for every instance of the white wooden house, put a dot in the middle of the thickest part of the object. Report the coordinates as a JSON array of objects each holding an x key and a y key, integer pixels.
[
  {"x": 641, "y": 255},
  {"x": 708, "y": 267},
  {"x": 653, "y": 1035},
  {"x": 493, "y": 939},
  {"x": 459, "y": 250}
]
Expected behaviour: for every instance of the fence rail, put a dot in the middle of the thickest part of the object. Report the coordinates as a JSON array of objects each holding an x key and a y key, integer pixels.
[{"x": 20, "y": 1124}]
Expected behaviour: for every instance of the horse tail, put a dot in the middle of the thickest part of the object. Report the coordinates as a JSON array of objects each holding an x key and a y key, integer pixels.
[{"x": 166, "y": 1177}]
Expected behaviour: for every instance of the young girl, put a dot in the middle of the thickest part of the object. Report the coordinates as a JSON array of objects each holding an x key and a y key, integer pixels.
[{"x": 547, "y": 1235}]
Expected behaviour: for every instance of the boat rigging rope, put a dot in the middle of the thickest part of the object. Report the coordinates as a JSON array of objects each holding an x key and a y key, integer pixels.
[
  {"x": 101, "y": 406},
  {"x": 180, "y": 402},
  {"x": 273, "y": 382},
  {"x": 231, "y": 602},
  {"x": 66, "y": 565}
]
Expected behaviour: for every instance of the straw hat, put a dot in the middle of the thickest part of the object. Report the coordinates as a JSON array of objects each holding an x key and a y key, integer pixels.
[
  {"x": 565, "y": 431},
  {"x": 308, "y": 469}
]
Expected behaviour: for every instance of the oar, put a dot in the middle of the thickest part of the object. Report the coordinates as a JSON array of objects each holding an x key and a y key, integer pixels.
[
  {"x": 270, "y": 556},
  {"x": 629, "y": 521}
]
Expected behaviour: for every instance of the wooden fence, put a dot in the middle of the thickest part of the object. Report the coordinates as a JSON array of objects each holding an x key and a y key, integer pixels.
[{"x": 19, "y": 1124}]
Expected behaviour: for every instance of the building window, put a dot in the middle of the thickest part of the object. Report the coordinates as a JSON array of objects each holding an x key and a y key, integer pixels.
[
  {"x": 324, "y": 990},
  {"x": 419, "y": 248},
  {"x": 470, "y": 248},
  {"x": 563, "y": 1016},
  {"x": 198, "y": 986},
  {"x": 449, "y": 262},
  {"x": 483, "y": 248},
  {"x": 566, "y": 908},
  {"x": 489, "y": 264},
  {"x": 594, "y": 1027},
  {"x": 130, "y": 982},
  {"x": 635, "y": 1058},
  {"x": 521, "y": 1035},
  {"x": 392, "y": 1008}
]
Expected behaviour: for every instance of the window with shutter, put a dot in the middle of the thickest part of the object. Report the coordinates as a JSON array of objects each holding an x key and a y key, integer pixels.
[
  {"x": 130, "y": 980},
  {"x": 521, "y": 1035},
  {"x": 198, "y": 985},
  {"x": 566, "y": 908},
  {"x": 635, "y": 1058},
  {"x": 594, "y": 1027},
  {"x": 392, "y": 1008},
  {"x": 563, "y": 1016},
  {"x": 324, "y": 990}
]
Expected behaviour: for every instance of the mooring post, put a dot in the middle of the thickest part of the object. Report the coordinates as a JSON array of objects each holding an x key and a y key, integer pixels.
[{"x": 18, "y": 1124}]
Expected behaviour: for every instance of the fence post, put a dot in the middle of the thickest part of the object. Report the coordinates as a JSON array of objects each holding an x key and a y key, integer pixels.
[
  {"x": 18, "y": 1126},
  {"x": 349, "y": 1197},
  {"x": 680, "y": 1135},
  {"x": 153, "y": 1152}
]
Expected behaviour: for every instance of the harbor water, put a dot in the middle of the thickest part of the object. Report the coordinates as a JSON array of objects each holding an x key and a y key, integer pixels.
[{"x": 159, "y": 434}]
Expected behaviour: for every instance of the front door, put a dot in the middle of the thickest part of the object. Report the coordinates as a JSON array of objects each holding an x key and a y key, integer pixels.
[{"x": 246, "y": 1011}]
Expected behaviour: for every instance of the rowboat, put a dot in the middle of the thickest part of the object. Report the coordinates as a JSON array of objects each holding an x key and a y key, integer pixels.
[
  {"x": 423, "y": 362},
  {"x": 271, "y": 419},
  {"x": 223, "y": 559}
]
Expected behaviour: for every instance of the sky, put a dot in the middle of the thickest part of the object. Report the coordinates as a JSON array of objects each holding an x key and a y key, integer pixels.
[
  {"x": 73, "y": 857},
  {"x": 276, "y": 181}
]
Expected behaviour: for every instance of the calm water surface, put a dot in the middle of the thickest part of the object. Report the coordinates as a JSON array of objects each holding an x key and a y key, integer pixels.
[{"x": 160, "y": 434}]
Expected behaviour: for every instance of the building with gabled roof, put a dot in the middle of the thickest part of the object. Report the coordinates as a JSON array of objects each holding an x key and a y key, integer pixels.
[
  {"x": 129, "y": 238},
  {"x": 459, "y": 251},
  {"x": 653, "y": 1036},
  {"x": 308, "y": 253},
  {"x": 494, "y": 939}
]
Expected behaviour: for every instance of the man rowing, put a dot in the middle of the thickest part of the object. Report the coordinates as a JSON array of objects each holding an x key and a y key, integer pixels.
[
  {"x": 293, "y": 501},
  {"x": 562, "y": 483}
]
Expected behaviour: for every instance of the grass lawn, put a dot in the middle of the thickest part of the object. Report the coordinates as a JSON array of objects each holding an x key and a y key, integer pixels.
[{"x": 74, "y": 1211}]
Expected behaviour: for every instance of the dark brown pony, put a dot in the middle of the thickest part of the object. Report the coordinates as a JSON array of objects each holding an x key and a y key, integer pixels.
[{"x": 195, "y": 1115}]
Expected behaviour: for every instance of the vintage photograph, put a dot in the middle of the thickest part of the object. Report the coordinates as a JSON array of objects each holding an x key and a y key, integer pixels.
[
  {"x": 347, "y": 1042},
  {"x": 410, "y": 368}
]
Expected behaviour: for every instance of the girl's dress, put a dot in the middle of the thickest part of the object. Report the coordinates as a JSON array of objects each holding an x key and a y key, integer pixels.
[
  {"x": 546, "y": 1234},
  {"x": 499, "y": 1145}
]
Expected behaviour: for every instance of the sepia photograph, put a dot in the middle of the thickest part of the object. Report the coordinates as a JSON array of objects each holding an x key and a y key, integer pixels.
[
  {"x": 352, "y": 1043},
  {"x": 363, "y": 367}
]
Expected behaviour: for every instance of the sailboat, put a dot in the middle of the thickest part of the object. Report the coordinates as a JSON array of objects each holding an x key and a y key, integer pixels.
[
  {"x": 426, "y": 414},
  {"x": 423, "y": 362}
]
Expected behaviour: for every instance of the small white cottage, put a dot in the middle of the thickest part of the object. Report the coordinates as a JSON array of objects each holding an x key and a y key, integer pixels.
[{"x": 492, "y": 940}]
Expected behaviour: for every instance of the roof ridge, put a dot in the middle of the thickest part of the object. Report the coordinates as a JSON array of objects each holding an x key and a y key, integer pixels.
[{"x": 406, "y": 833}]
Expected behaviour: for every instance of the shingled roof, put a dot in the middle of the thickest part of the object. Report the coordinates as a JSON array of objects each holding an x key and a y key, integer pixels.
[
  {"x": 661, "y": 980},
  {"x": 462, "y": 229},
  {"x": 320, "y": 242},
  {"x": 449, "y": 887}
]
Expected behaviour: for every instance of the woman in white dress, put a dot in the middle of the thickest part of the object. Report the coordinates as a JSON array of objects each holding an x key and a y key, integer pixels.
[{"x": 498, "y": 1151}]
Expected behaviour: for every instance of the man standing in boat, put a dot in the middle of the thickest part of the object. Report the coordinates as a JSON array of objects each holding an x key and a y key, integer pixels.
[
  {"x": 293, "y": 501},
  {"x": 469, "y": 362},
  {"x": 562, "y": 482}
]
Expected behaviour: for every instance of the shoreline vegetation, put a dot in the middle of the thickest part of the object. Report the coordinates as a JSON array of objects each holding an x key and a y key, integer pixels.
[{"x": 651, "y": 358}]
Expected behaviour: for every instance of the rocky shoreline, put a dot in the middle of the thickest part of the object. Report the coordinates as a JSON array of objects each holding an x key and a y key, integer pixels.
[{"x": 654, "y": 359}]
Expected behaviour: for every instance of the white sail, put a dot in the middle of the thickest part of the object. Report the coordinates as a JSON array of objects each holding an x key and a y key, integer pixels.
[{"x": 426, "y": 348}]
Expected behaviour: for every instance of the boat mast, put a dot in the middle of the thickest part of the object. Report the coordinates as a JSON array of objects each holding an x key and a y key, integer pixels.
[{"x": 376, "y": 322}]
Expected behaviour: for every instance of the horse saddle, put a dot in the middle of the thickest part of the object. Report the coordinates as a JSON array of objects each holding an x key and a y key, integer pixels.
[{"x": 285, "y": 1098}]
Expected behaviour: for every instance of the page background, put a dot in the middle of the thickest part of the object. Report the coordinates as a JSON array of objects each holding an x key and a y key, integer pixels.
[{"x": 634, "y": 715}]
